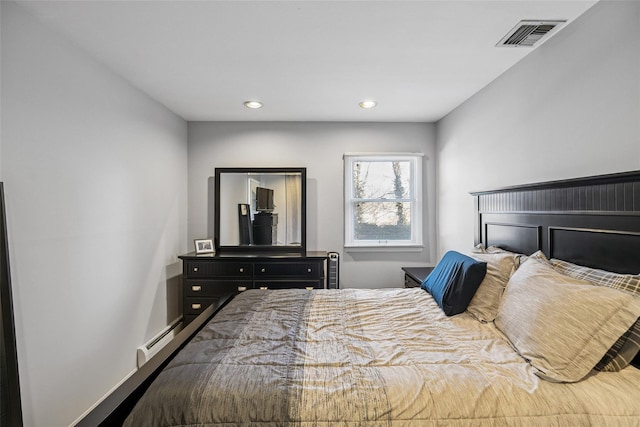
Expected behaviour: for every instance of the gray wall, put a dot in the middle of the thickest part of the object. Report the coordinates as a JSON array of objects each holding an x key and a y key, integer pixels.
[
  {"x": 571, "y": 108},
  {"x": 318, "y": 147},
  {"x": 96, "y": 185}
]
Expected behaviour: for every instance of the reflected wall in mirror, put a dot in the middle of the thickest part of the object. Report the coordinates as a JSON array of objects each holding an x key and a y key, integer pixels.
[{"x": 260, "y": 209}]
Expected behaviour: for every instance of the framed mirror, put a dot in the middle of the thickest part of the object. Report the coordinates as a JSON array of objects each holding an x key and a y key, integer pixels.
[{"x": 260, "y": 209}]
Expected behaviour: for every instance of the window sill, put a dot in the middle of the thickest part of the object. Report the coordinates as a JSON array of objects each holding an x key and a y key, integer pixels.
[{"x": 385, "y": 248}]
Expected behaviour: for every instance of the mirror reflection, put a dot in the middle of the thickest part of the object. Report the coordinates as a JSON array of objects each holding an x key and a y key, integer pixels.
[{"x": 260, "y": 208}]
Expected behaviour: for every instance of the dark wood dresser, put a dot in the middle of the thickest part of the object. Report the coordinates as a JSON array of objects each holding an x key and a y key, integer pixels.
[{"x": 208, "y": 278}]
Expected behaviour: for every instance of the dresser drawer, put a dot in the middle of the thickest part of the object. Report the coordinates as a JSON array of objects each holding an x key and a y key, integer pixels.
[
  {"x": 307, "y": 269},
  {"x": 289, "y": 284},
  {"x": 212, "y": 288},
  {"x": 192, "y": 307},
  {"x": 195, "y": 306},
  {"x": 217, "y": 269}
]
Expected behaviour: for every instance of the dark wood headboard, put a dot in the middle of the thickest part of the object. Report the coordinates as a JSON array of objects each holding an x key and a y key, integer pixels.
[{"x": 592, "y": 221}]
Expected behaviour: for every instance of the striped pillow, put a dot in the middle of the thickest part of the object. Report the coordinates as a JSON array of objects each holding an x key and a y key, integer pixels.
[
  {"x": 622, "y": 353},
  {"x": 563, "y": 326},
  {"x": 623, "y": 282}
]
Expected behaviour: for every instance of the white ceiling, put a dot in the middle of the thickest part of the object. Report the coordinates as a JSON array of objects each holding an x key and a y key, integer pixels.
[{"x": 306, "y": 60}]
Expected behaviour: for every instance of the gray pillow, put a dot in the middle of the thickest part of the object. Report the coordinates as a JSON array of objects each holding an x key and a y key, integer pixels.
[
  {"x": 561, "y": 325},
  {"x": 623, "y": 351},
  {"x": 500, "y": 266}
]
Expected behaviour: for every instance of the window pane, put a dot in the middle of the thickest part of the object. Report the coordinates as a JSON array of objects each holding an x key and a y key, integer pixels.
[
  {"x": 383, "y": 200},
  {"x": 382, "y": 221},
  {"x": 381, "y": 179}
]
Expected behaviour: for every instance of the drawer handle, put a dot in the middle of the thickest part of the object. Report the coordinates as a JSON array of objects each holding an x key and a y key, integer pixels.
[
  {"x": 242, "y": 288},
  {"x": 308, "y": 270},
  {"x": 263, "y": 270},
  {"x": 264, "y": 288},
  {"x": 241, "y": 270},
  {"x": 196, "y": 288},
  {"x": 196, "y": 306},
  {"x": 195, "y": 269}
]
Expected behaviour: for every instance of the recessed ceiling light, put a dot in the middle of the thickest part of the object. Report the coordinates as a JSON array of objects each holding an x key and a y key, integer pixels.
[
  {"x": 253, "y": 104},
  {"x": 367, "y": 104}
]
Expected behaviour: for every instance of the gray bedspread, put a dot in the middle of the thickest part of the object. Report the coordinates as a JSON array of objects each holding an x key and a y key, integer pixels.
[{"x": 367, "y": 358}]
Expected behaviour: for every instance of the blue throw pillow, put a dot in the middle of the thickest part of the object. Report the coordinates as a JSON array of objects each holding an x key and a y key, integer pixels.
[{"x": 454, "y": 281}]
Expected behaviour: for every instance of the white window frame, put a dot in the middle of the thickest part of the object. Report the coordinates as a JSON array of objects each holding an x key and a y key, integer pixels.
[{"x": 416, "y": 198}]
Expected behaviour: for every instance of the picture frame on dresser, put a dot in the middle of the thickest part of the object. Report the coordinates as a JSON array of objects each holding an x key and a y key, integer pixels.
[{"x": 204, "y": 246}]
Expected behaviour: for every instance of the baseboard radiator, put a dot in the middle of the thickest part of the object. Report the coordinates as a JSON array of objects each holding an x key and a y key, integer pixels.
[{"x": 155, "y": 344}]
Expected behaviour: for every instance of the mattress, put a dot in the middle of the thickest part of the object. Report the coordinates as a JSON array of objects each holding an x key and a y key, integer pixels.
[{"x": 386, "y": 357}]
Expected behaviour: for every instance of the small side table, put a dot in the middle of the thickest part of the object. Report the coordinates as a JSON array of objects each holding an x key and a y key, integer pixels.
[{"x": 413, "y": 276}]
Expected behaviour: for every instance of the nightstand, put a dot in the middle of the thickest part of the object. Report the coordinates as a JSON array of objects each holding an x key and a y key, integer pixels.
[{"x": 413, "y": 276}]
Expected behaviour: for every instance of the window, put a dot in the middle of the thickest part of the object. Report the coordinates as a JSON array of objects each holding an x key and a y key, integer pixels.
[{"x": 383, "y": 200}]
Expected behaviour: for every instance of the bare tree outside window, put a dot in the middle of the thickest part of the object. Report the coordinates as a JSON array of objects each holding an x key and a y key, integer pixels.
[
  {"x": 382, "y": 203},
  {"x": 383, "y": 200},
  {"x": 399, "y": 191}
]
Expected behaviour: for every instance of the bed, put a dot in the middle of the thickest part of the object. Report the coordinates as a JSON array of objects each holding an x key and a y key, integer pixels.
[
  {"x": 367, "y": 358},
  {"x": 394, "y": 357}
]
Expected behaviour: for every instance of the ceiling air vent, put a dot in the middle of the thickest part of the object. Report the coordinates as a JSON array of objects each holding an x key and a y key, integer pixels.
[{"x": 529, "y": 33}]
